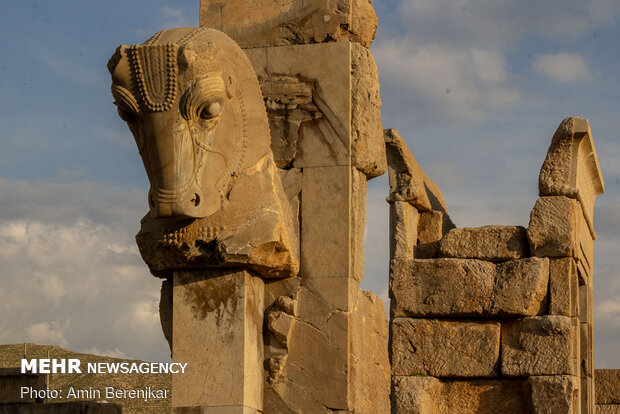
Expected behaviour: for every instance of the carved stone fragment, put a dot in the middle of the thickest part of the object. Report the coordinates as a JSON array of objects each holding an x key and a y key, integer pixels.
[
  {"x": 571, "y": 168},
  {"x": 442, "y": 348},
  {"x": 563, "y": 287},
  {"x": 451, "y": 287},
  {"x": 323, "y": 105},
  {"x": 260, "y": 23}
]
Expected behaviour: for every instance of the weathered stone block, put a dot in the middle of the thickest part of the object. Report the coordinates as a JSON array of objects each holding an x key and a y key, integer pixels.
[
  {"x": 370, "y": 364},
  {"x": 323, "y": 105},
  {"x": 11, "y": 381},
  {"x": 557, "y": 394},
  {"x": 403, "y": 230},
  {"x": 217, "y": 325},
  {"x": 426, "y": 395},
  {"x": 493, "y": 243},
  {"x": 326, "y": 222},
  {"x": 539, "y": 345},
  {"x": 571, "y": 168},
  {"x": 461, "y": 287},
  {"x": 352, "y": 370},
  {"x": 445, "y": 348},
  {"x": 260, "y": 23},
  {"x": 553, "y": 228},
  {"x": 563, "y": 287},
  {"x": 414, "y": 395},
  {"x": 607, "y": 385}
]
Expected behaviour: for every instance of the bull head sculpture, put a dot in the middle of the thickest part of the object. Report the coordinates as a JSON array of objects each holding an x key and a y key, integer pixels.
[
  {"x": 184, "y": 94},
  {"x": 194, "y": 105}
]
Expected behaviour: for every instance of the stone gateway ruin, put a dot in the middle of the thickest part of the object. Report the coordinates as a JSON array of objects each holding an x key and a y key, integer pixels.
[{"x": 258, "y": 132}]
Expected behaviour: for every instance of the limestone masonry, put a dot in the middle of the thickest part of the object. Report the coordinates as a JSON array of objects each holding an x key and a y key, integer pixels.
[{"x": 258, "y": 132}]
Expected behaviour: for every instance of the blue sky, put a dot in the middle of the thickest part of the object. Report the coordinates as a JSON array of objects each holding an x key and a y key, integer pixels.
[{"x": 477, "y": 87}]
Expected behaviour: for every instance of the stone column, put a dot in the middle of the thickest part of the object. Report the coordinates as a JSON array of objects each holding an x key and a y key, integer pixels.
[{"x": 326, "y": 340}]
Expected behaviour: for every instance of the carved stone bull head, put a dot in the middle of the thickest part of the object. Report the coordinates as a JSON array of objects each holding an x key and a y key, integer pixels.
[{"x": 194, "y": 106}]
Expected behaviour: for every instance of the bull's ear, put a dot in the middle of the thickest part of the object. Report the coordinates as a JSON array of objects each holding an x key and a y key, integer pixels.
[{"x": 116, "y": 58}]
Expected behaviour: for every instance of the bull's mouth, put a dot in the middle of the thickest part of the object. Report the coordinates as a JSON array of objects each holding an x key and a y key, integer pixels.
[{"x": 191, "y": 202}]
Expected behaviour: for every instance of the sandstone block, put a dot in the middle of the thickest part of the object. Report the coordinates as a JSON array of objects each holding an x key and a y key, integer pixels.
[
  {"x": 607, "y": 385},
  {"x": 462, "y": 287},
  {"x": 553, "y": 228},
  {"x": 408, "y": 181},
  {"x": 425, "y": 395},
  {"x": 445, "y": 348},
  {"x": 217, "y": 326},
  {"x": 260, "y": 23},
  {"x": 414, "y": 395},
  {"x": 493, "y": 243},
  {"x": 539, "y": 345},
  {"x": 352, "y": 370},
  {"x": 370, "y": 363},
  {"x": 323, "y": 105},
  {"x": 571, "y": 168},
  {"x": 403, "y": 230},
  {"x": 557, "y": 394},
  {"x": 563, "y": 287}
]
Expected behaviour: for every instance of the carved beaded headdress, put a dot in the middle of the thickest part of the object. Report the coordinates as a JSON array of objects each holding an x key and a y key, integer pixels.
[{"x": 154, "y": 67}]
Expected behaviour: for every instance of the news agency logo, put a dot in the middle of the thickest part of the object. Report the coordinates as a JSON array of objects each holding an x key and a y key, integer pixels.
[{"x": 72, "y": 366}]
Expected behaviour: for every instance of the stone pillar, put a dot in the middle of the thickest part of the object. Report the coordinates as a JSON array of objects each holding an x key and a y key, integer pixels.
[
  {"x": 217, "y": 330},
  {"x": 561, "y": 228},
  {"x": 326, "y": 340}
]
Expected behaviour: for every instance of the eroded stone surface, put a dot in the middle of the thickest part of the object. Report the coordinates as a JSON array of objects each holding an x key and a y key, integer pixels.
[
  {"x": 553, "y": 228},
  {"x": 255, "y": 230},
  {"x": 607, "y": 386},
  {"x": 445, "y": 348},
  {"x": 352, "y": 373},
  {"x": 213, "y": 311},
  {"x": 493, "y": 243},
  {"x": 540, "y": 345},
  {"x": 555, "y": 394},
  {"x": 608, "y": 409},
  {"x": 461, "y": 287},
  {"x": 571, "y": 168},
  {"x": 563, "y": 287},
  {"x": 260, "y": 23},
  {"x": 404, "y": 220},
  {"x": 424, "y": 395},
  {"x": 323, "y": 105}
]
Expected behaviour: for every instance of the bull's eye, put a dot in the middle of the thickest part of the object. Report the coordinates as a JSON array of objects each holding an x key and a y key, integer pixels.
[
  {"x": 127, "y": 116},
  {"x": 210, "y": 110}
]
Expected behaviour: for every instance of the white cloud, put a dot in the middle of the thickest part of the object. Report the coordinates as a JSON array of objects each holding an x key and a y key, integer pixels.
[
  {"x": 461, "y": 82},
  {"x": 562, "y": 67},
  {"x": 48, "y": 333}
]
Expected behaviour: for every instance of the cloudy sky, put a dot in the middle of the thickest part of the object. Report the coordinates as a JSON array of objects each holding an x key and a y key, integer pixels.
[{"x": 477, "y": 87}]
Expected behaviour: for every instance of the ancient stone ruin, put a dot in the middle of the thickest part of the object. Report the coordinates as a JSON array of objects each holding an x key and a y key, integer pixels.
[
  {"x": 258, "y": 132},
  {"x": 494, "y": 318}
]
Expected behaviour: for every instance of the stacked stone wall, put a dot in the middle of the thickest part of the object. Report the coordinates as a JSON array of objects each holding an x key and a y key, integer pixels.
[{"x": 495, "y": 318}]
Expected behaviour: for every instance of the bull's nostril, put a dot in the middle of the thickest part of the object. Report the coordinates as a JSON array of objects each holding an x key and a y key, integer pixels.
[
  {"x": 152, "y": 201},
  {"x": 196, "y": 200}
]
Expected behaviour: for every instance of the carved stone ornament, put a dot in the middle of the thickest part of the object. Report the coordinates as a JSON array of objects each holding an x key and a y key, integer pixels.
[{"x": 193, "y": 103}]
